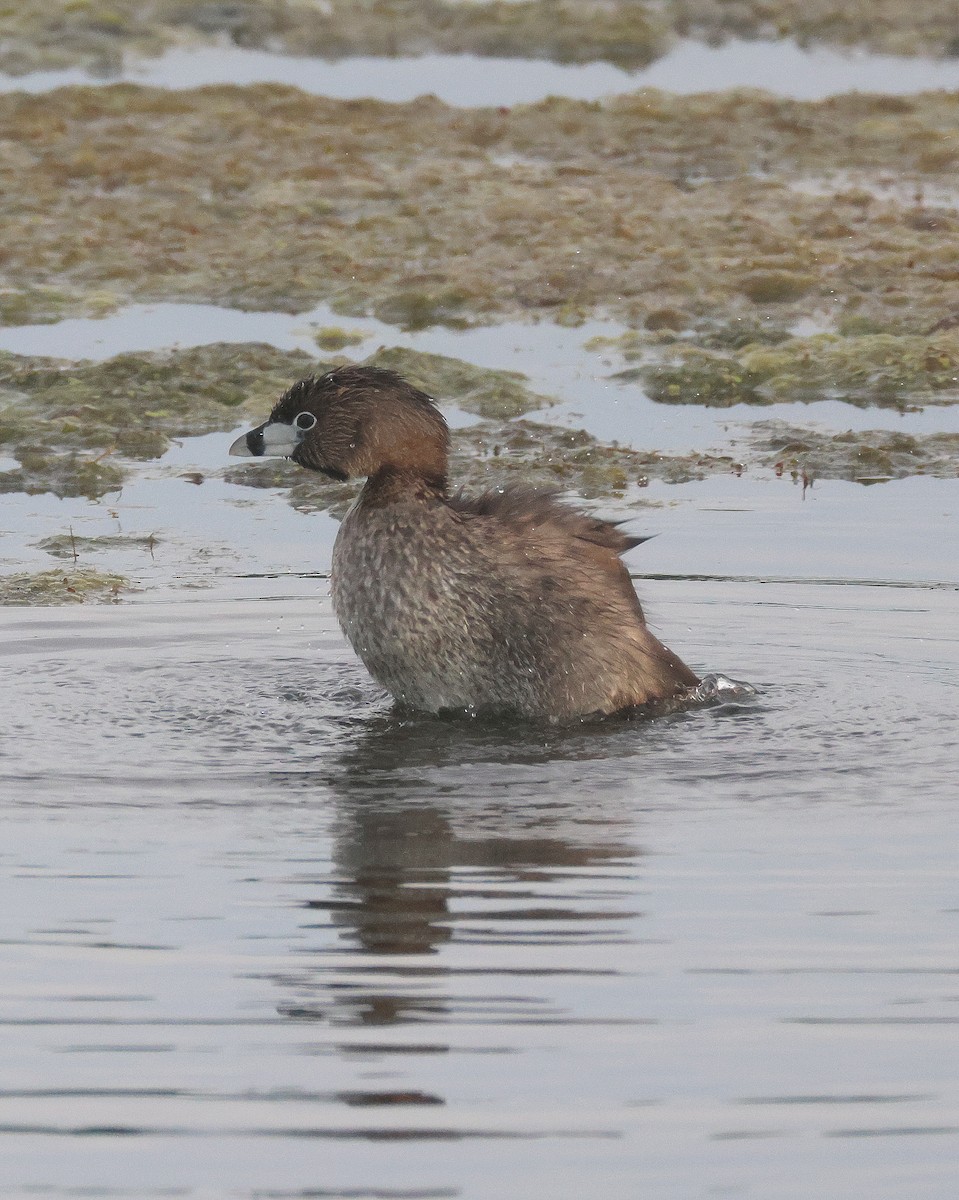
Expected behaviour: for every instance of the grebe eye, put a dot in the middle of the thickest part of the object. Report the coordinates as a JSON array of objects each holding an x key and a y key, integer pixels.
[{"x": 304, "y": 421}]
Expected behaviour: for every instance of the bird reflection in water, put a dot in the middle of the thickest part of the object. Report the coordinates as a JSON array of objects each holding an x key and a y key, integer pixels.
[{"x": 479, "y": 833}]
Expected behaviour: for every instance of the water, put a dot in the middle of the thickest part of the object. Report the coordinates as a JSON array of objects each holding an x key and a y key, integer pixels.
[
  {"x": 260, "y": 937},
  {"x": 554, "y": 358},
  {"x": 780, "y": 67}
]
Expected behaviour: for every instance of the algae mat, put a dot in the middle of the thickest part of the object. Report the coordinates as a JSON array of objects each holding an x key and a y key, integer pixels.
[
  {"x": 56, "y": 33},
  {"x": 672, "y": 214},
  {"x": 715, "y": 227}
]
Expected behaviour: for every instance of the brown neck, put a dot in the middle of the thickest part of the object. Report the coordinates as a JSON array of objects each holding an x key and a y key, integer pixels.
[{"x": 392, "y": 484}]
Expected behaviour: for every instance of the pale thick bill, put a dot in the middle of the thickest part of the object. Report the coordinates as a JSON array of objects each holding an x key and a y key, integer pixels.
[{"x": 274, "y": 438}]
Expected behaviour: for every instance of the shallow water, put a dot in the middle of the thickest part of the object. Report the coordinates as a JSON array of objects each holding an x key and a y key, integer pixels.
[
  {"x": 197, "y": 531},
  {"x": 260, "y": 937},
  {"x": 555, "y": 358},
  {"x": 780, "y": 67}
]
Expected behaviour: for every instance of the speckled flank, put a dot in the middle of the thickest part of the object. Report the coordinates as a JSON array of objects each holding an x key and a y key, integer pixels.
[
  {"x": 506, "y": 601},
  {"x": 453, "y": 611}
]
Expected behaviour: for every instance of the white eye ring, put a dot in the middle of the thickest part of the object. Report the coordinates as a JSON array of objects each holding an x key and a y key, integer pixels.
[{"x": 304, "y": 422}]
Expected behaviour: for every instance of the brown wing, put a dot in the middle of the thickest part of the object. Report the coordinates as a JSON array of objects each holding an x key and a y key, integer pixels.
[
  {"x": 586, "y": 551},
  {"x": 539, "y": 519},
  {"x": 525, "y": 509}
]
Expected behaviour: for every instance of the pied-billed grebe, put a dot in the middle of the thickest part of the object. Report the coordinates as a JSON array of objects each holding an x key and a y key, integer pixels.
[{"x": 508, "y": 601}]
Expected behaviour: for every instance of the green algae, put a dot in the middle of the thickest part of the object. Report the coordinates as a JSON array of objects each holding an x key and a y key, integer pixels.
[
  {"x": 76, "y": 428},
  {"x": 331, "y": 338},
  {"x": 40, "y": 305},
  {"x": 546, "y": 456},
  {"x": 878, "y": 369},
  {"x": 69, "y": 545},
  {"x": 64, "y": 475},
  {"x": 57, "y": 33},
  {"x": 484, "y": 391},
  {"x": 737, "y": 334},
  {"x": 75, "y": 586},
  {"x": 863, "y": 457},
  {"x": 493, "y": 454},
  {"x": 501, "y": 449},
  {"x": 420, "y": 308},
  {"x": 775, "y": 285},
  {"x": 306, "y": 491},
  {"x": 72, "y": 426},
  {"x": 889, "y": 26},
  {"x": 710, "y": 225},
  {"x": 497, "y": 452},
  {"x": 672, "y": 214}
]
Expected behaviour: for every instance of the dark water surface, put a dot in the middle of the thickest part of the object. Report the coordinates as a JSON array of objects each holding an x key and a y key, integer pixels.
[{"x": 261, "y": 937}]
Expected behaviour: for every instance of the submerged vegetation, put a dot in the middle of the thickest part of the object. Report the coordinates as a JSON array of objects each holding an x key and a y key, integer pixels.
[
  {"x": 497, "y": 452},
  {"x": 95, "y": 33},
  {"x": 70, "y": 545},
  {"x": 71, "y": 425},
  {"x": 881, "y": 370},
  {"x": 868, "y": 457},
  {"x": 61, "y": 587},
  {"x": 487, "y": 393},
  {"x": 75, "y": 429}
]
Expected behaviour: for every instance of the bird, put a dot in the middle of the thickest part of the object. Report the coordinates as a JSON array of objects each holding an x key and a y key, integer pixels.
[{"x": 509, "y": 602}]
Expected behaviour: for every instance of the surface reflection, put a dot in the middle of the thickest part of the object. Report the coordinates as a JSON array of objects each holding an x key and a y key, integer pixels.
[{"x": 449, "y": 834}]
